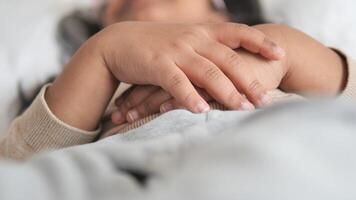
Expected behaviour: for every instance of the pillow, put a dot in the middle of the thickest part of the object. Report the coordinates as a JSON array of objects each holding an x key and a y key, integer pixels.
[{"x": 329, "y": 21}]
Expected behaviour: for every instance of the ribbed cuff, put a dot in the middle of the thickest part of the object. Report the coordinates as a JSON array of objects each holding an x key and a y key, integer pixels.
[
  {"x": 350, "y": 90},
  {"x": 44, "y": 131}
]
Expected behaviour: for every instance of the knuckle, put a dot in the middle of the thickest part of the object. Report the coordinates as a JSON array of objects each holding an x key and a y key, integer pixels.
[
  {"x": 212, "y": 73},
  {"x": 178, "y": 44},
  {"x": 261, "y": 38},
  {"x": 158, "y": 58},
  {"x": 233, "y": 59},
  {"x": 251, "y": 32},
  {"x": 256, "y": 34},
  {"x": 254, "y": 87},
  {"x": 175, "y": 80},
  {"x": 194, "y": 32},
  {"x": 266, "y": 42},
  {"x": 189, "y": 98},
  {"x": 189, "y": 34},
  {"x": 233, "y": 97},
  {"x": 243, "y": 28}
]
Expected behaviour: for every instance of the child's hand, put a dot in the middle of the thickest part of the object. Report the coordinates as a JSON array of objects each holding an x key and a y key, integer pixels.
[
  {"x": 308, "y": 68},
  {"x": 172, "y": 56},
  {"x": 312, "y": 68},
  {"x": 144, "y": 100},
  {"x": 176, "y": 56},
  {"x": 141, "y": 101}
]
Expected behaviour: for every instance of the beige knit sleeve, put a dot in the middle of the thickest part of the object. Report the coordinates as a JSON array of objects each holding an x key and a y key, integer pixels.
[
  {"x": 37, "y": 130},
  {"x": 350, "y": 91}
]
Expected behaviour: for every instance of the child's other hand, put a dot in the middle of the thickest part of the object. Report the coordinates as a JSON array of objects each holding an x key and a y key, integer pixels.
[
  {"x": 176, "y": 56},
  {"x": 142, "y": 101}
]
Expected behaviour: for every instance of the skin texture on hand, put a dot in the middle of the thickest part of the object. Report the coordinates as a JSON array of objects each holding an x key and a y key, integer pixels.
[
  {"x": 142, "y": 101},
  {"x": 308, "y": 68},
  {"x": 312, "y": 68},
  {"x": 81, "y": 93},
  {"x": 172, "y": 56},
  {"x": 200, "y": 54}
]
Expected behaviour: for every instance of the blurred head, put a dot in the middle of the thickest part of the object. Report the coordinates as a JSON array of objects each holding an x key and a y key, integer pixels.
[{"x": 162, "y": 10}]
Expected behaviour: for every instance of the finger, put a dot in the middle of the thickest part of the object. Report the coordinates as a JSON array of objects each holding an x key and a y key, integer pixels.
[
  {"x": 236, "y": 35},
  {"x": 123, "y": 96},
  {"x": 148, "y": 107},
  {"x": 170, "y": 105},
  {"x": 206, "y": 74},
  {"x": 179, "y": 86},
  {"x": 239, "y": 72},
  {"x": 117, "y": 118},
  {"x": 133, "y": 97},
  {"x": 119, "y": 100},
  {"x": 137, "y": 95}
]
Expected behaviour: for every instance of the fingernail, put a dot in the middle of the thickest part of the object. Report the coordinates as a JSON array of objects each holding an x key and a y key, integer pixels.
[
  {"x": 202, "y": 107},
  {"x": 117, "y": 117},
  {"x": 265, "y": 99},
  {"x": 133, "y": 116},
  {"x": 247, "y": 106},
  {"x": 279, "y": 51},
  {"x": 166, "y": 107}
]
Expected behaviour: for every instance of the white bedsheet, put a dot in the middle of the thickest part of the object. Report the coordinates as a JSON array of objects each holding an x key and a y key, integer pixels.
[
  {"x": 330, "y": 21},
  {"x": 29, "y": 53}
]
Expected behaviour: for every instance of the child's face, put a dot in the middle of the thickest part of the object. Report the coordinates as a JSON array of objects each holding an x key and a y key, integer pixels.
[{"x": 162, "y": 10}]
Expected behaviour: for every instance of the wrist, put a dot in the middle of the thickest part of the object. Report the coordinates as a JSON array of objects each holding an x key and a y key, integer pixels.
[
  {"x": 310, "y": 67},
  {"x": 108, "y": 48},
  {"x": 80, "y": 95},
  {"x": 313, "y": 69}
]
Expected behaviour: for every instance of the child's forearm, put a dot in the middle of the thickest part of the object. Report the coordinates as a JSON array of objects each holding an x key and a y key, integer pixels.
[
  {"x": 312, "y": 68},
  {"x": 81, "y": 94}
]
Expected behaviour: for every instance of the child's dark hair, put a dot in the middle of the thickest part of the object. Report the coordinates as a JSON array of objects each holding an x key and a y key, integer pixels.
[{"x": 245, "y": 11}]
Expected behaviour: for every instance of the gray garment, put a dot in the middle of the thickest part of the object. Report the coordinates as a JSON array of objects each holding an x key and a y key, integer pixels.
[{"x": 292, "y": 151}]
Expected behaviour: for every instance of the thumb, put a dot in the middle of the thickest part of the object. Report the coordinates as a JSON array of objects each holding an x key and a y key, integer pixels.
[{"x": 253, "y": 40}]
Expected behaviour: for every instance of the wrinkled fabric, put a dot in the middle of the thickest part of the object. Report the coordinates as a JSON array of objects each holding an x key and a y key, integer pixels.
[{"x": 292, "y": 151}]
